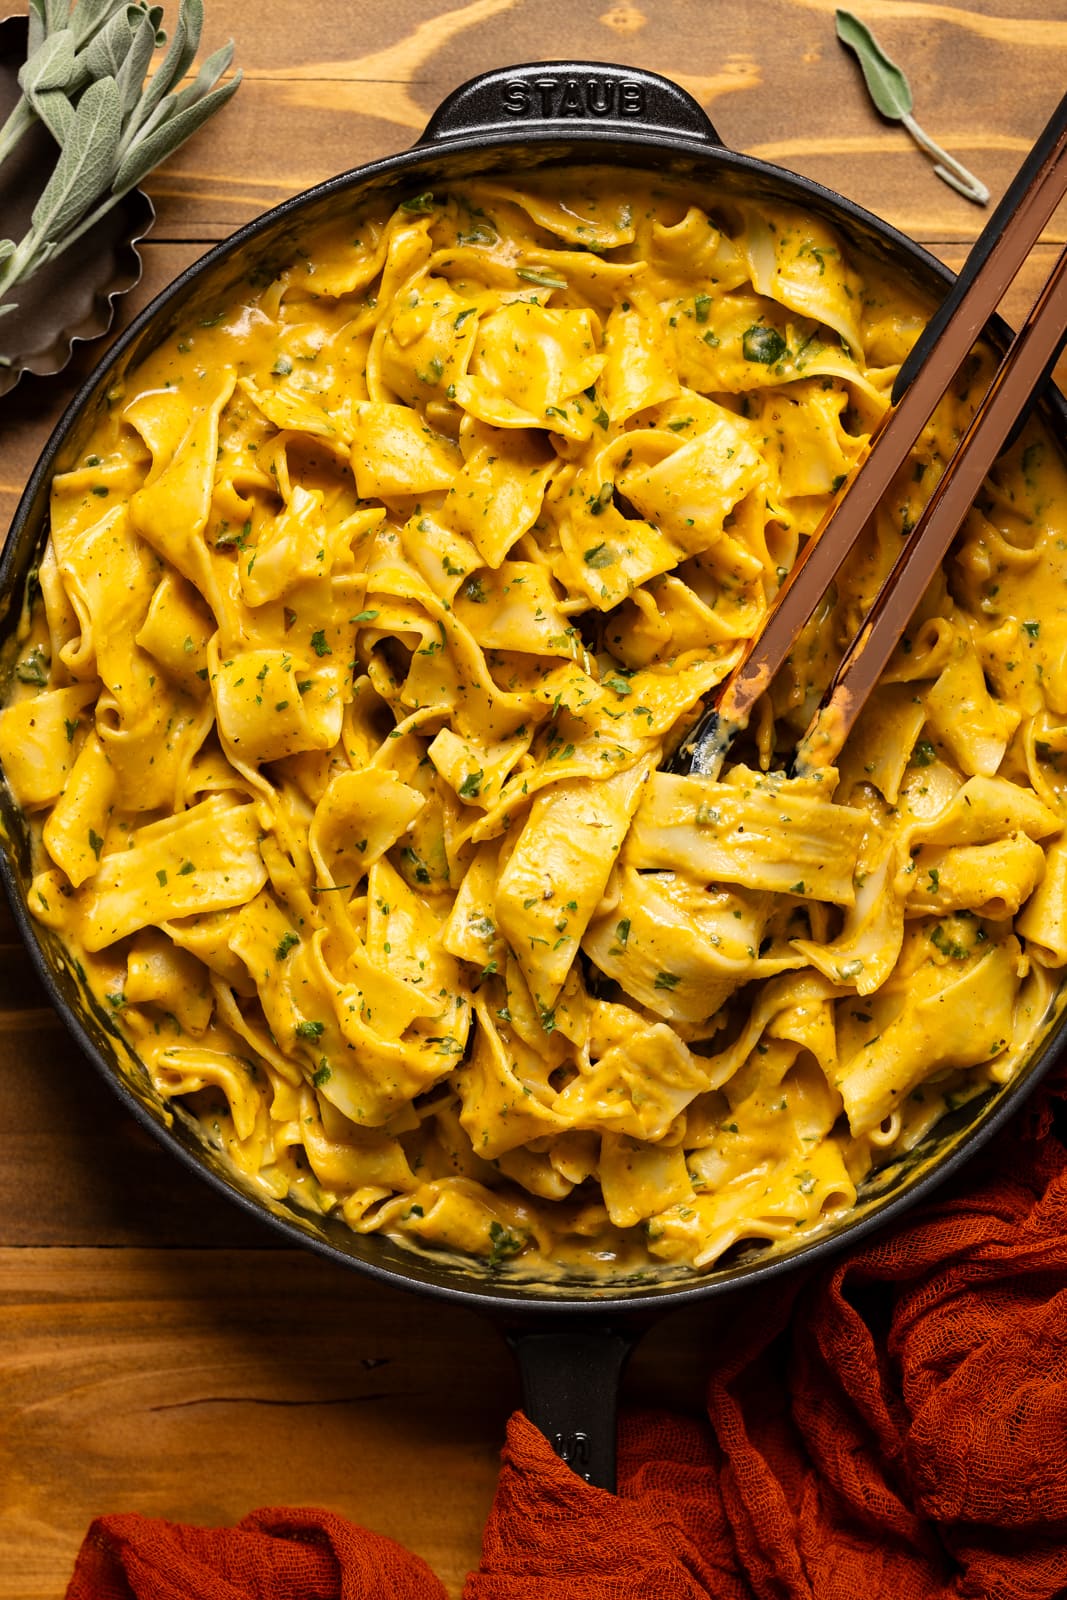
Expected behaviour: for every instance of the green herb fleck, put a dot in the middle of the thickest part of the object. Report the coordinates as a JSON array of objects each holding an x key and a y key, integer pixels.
[
  {"x": 503, "y": 1243},
  {"x": 541, "y": 276},
  {"x": 763, "y": 345},
  {"x": 420, "y": 871},
  {"x": 32, "y": 669}
]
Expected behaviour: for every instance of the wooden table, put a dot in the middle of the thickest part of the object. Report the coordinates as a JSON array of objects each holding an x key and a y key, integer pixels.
[{"x": 159, "y": 1352}]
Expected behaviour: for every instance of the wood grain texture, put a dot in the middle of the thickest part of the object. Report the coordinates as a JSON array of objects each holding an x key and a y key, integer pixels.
[
  {"x": 771, "y": 75},
  {"x": 270, "y": 1378},
  {"x": 158, "y": 1350},
  {"x": 197, "y": 1385}
]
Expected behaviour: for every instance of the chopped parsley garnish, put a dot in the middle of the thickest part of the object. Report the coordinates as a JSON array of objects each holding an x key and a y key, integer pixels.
[
  {"x": 763, "y": 345},
  {"x": 541, "y": 276},
  {"x": 503, "y": 1243},
  {"x": 419, "y": 870},
  {"x": 229, "y": 539},
  {"x": 849, "y": 970},
  {"x": 602, "y": 498},
  {"x": 33, "y": 669}
]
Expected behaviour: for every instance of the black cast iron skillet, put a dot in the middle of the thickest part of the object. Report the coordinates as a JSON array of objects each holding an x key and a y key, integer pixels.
[{"x": 572, "y": 1335}]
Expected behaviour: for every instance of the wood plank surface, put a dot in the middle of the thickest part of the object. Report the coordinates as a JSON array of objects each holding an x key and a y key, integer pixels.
[
  {"x": 121, "y": 1364},
  {"x": 159, "y": 1351}
]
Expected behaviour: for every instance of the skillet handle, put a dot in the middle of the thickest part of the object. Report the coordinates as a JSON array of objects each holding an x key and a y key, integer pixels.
[
  {"x": 567, "y": 96},
  {"x": 570, "y": 1390}
]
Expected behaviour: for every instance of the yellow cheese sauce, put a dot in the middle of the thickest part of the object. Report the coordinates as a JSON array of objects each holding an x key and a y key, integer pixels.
[{"x": 368, "y": 617}]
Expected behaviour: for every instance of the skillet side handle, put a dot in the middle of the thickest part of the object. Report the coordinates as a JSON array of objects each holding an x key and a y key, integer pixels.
[
  {"x": 570, "y": 1390},
  {"x": 563, "y": 95}
]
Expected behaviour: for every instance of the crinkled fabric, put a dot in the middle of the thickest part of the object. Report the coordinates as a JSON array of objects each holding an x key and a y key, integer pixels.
[
  {"x": 894, "y": 1424},
  {"x": 303, "y": 1554}
]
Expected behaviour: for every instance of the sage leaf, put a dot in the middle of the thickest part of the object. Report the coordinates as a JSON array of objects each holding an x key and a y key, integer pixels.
[
  {"x": 891, "y": 93},
  {"x": 85, "y": 80},
  {"x": 131, "y": 74},
  {"x": 210, "y": 73},
  {"x": 84, "y": 163},
  {"x": 51, "y": 66},
  {"x": 108, "y": 49},
  {"x": 89, "y": 16},
  {"x": 56, "y": 15},
  {"x": 886, "y": 84},
  {"x": 163, "y": 140},
  {"x": 35, "y": 31},
  {"x": 179, "y": 57},
  {"x": 56, "y": 112}
]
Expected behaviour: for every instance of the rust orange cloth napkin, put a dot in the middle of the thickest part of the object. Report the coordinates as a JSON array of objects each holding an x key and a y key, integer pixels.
[{"x": 895, "y": 1425}]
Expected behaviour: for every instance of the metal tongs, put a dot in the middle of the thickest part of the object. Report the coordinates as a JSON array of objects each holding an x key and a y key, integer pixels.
[{"x": 997, "y": 255}]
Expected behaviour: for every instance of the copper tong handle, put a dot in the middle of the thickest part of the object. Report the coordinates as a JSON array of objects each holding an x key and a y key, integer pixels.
[
  {"x": 870, "y": 650},
  {"x": 996, "y": 257}
]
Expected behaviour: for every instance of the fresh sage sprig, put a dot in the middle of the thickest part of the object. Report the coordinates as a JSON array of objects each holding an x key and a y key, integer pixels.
[
  {"x": 84, "y": 78},
  {"x": 891, "y": 93},
  {"x": 57, "y": 60}
]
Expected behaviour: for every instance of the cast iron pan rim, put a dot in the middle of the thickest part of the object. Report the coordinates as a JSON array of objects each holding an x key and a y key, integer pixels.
[
  {"x": 534, "y": 1302},
  {"x": 422, "y": 155}
]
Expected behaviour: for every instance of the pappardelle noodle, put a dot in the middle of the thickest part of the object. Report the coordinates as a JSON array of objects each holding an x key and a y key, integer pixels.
[{"x": 367, "y": 619}]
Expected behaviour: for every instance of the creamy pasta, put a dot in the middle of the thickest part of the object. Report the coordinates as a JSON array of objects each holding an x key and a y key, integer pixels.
[{"x": 368, "y": 618}]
